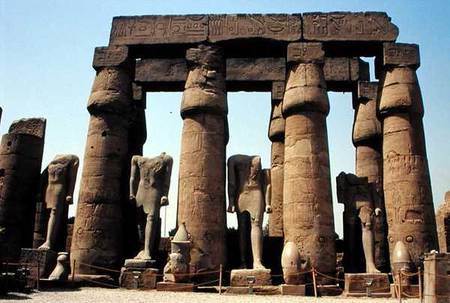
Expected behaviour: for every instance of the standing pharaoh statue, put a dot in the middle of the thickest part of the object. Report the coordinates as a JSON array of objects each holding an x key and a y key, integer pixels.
[
  {"x": 249, "y": 191},
  {"x": 358, "y": 196},
  {"x": 62, "y": 174},
  {"x": 149, "y": 187}
]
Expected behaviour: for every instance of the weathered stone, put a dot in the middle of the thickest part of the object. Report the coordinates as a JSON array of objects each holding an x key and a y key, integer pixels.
[
  {"x": 401, "y": 54},
  {"x": 201, "y": 194},
  {"x": 98, "y": 227},
  {"x": 255, "y": 277},
  {"x": 366, "y": 127},
  {"x": 302, "y": 52},
  {"x": 161, "y": 70},
  {"x": 62, "y": 269},
  {"x": 436, "y": 275},
  {"x": 293, "y": 290},
  {"x": 34, "y": 258},
  {"x": 281, "y": 27},
  {"x": 156, "y": 29},
  {"x": 406, "y": 179},
  {"x": 341, "y": 69},
  {"x": 365, "y": 283},
  {"x": 347, "y": 26},
  {"x": 307, "y": 209},
  {"x": 443, "y": 224},
  {"x": 277, "y": 92},
  {"x": 177, "y": 268},
  {"x": 138, "y": 278},
  {"x": 170, "y": 286},
  {"x": 110, "y": 56},
  {"x": 249, "y": 69},
  {"x": 21, "y": 153}
]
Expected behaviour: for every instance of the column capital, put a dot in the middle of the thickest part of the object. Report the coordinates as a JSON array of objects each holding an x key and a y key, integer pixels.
[
  {"x": 401, "y": 54},
  {"x": 110, "y": 56},
  {"x": 305, "y": 52},
  {"x": 211, "y": 56}
]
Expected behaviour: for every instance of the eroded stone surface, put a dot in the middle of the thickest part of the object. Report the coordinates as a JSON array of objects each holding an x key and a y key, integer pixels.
[
  {"x": 443, "y": 224},
  {"x": 255, "y": 277}
]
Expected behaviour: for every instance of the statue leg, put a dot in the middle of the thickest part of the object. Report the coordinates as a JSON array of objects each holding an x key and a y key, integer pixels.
[
  {"x": 242, "y": 230},
  {"x": 368, "y": 246},
  {"x": 257, "y": 239},
  {"x": 52, "y": 228}
]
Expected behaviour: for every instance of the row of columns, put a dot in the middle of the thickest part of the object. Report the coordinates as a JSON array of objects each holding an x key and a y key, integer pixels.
[{"x": 391, "y": 154}]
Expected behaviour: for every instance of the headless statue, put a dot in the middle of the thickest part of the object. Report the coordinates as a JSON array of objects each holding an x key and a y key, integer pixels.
[
  {"x": 249, "y": 191},
  {"x": 149, "y": 187},
  {"x": 62, "y": 174},
  {"x": 360, "y": 194}
]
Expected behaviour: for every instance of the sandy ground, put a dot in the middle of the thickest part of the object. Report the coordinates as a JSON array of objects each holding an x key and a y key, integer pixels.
[{"x": 99, "y": 295}]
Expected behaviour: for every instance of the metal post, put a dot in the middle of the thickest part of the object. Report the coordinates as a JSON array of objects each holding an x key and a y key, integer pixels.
[
  {"x": 220, "y": 280},
  {"x": 420, "y": 284},
  {"x": 314, "y": 281},
  {"x": 400, "y": 286}
]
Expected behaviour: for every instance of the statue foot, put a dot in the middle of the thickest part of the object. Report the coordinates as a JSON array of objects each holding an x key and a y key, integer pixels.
[
  {"x": 258, "y": 266},
  {"x": 45, "y": 246},
  {"x": 143, "y": 255},
  {"x": 371, "y": 269}
]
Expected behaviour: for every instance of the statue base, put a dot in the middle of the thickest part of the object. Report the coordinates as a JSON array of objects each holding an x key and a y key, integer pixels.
[
  {"x": 293, "y": 290},
  {"x": 40, "y": 262},
  {"x": 138, "y": 274},
  {"x": 367, "y": 285},
  {"x": 253, "y": 277},
  {"x": 258, "y": 290},
  {"x": 170, "y": 286}
]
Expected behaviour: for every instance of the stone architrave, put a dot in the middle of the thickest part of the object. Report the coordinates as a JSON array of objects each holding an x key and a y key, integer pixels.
[
  {"x": 60, "y": 175},
  {"x": 443, "y": 224},
  {"x": 21, "y": 151},
  {"x": 201, "y": 190},
  {"x": 367, "y": 139},
  {"x": 406, "y": 178},
  {"x": 98, "y": 228},
  {"x": 307, "y": 208},
  {"x": 276, "y": 135}
]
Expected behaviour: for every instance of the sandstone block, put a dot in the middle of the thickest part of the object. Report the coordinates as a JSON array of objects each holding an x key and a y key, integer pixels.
[
  {"x": 255, "y": 277},
  {"x": 302, "y": 52},
  {"x": 401, "y": 54},
  {"x": 110, "y": 56}
]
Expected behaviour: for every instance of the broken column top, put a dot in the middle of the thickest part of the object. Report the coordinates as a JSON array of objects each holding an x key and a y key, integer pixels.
[
  {"x": 401, "y": 54},
  {"x": 31, "y": 126},
  {"x": 316, "y": 26}
]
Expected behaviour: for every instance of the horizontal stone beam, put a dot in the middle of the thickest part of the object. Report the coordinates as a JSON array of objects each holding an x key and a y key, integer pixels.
[
  {"x": 187, "y": 29},
  {"x": 251, "y": 74}
]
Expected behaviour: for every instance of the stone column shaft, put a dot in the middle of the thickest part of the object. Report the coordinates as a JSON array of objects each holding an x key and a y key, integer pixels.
[
  {"x": 276, "y": 135},
  {"x": 98, "y": 228},
  {"x": 201, "y": 195},
  {"x": 406, "y": 179},
  {"x": 307, "y": 206}
]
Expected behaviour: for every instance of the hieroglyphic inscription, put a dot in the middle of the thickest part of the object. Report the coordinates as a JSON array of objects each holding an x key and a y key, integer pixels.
[
  {"x": 305, "y": 52},
  {"x": 274, "y": 26},
  {"x": 370, "y": 26},
  {"x": 159, "y": 29},
  {"x": 401, "y": 54},
  {"x": 110, "y": 56},
  {"x": 278, "y": 90}
]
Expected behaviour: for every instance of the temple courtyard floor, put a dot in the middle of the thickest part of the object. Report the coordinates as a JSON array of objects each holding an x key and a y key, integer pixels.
[{"x": 99, "y": 295}]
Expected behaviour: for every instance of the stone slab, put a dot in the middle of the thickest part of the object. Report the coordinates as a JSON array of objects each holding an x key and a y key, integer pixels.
[
  {"x": 31, "y": 126},
  {"x": 278, "y": 88},
  {"x": 327, "y": 290},
  {"x": 293, "y": 290},
  {"x": 357, "y": 283},
  {"x": 109, "y": 56},
  {"x": 402, "y": 54},
  {"x": 241, "y": 277},
  {"x": 138, "y": 278},
  {"x": 251, "y": 69},
  {"x": 305, "y": 52},
  {"x": 138, "y": 263},
  {"x": 348, "y": 26},
  {"x": 169, "y": 286},
  {"x": 34, "y": 258},
  {"x": 159, "y": 29},
  {"x": 257, "y": 290},
  {"x": 282, "y": 27},
  {"x": 408, "y": 291}
]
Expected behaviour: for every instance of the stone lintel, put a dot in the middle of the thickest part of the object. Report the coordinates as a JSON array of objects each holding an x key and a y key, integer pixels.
[
  {"x": 365, "y": 90},
  {"x": 139, "y": 96},
  {"x": 110, "y": 56},
  {"x": 262, "y": 69},
  {"x": 305, "y": 52},
  {"x": 348, "y": 26},
  {"x": 401, "y": 54}
]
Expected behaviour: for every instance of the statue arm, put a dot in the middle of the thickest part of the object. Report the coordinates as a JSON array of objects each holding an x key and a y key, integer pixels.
[
  {"x": 267, "y": 186},
  {"x": 43, "y": 186},
  {"x": 134, "y": 177},
  {"x": 231, "y": 185},
  {"x": 166, "y": 184},
  {"x": 73, "y": 169},
  {"x": 341, "y": 186}
]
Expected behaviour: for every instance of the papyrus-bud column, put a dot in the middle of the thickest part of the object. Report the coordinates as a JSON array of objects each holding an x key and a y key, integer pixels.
[
  {"x": 276, "y": 135},
  {"x": 407, "y": 188},
  {"x": 367, "y": 139},
  {"x": 201, "y": 195},
  {"x": 307, "y": 207},
  {"x": 98, "y": 229}
]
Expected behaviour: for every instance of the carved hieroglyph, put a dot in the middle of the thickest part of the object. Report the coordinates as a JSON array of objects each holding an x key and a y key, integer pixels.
[
  {"x": 443, "y": 224},
  {"x": 61, "y": 175},
  {"x": 21, "y": 152},
  {"x": 406, "y": 179},
  {"x": 249, "y": 195},
  {"x": 149, "y": 187},
  {"x": 201, "y": 194},
  {"x": 307, "y": 208},
  {"x": 98, "y": 228},
  {"x": 367, "y": 139}
]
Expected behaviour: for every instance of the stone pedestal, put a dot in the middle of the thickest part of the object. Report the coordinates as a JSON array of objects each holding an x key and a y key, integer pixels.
[
  {"x": 40, "y": 263},
  {"x": 138, "y": 274},
  {"x": 170, "y": 286},
  {"x": 365, "y": 284},
  {"x": 437, "y": 278},
  {"x": 255, "y": 277},
  {"x": 293, "y": 290}
]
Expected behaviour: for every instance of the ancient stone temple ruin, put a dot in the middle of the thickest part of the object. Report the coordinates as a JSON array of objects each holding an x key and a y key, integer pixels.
[{"x": 389, "y": 218}]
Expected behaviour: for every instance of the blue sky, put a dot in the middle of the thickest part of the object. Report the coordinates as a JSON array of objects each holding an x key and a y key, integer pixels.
[{"x": 46, "y": 50}]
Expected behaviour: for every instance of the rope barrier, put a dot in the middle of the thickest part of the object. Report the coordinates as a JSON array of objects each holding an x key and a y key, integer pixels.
[
  {"x": 98, "y": 282},
  {"x": 99, "y": 267}
]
